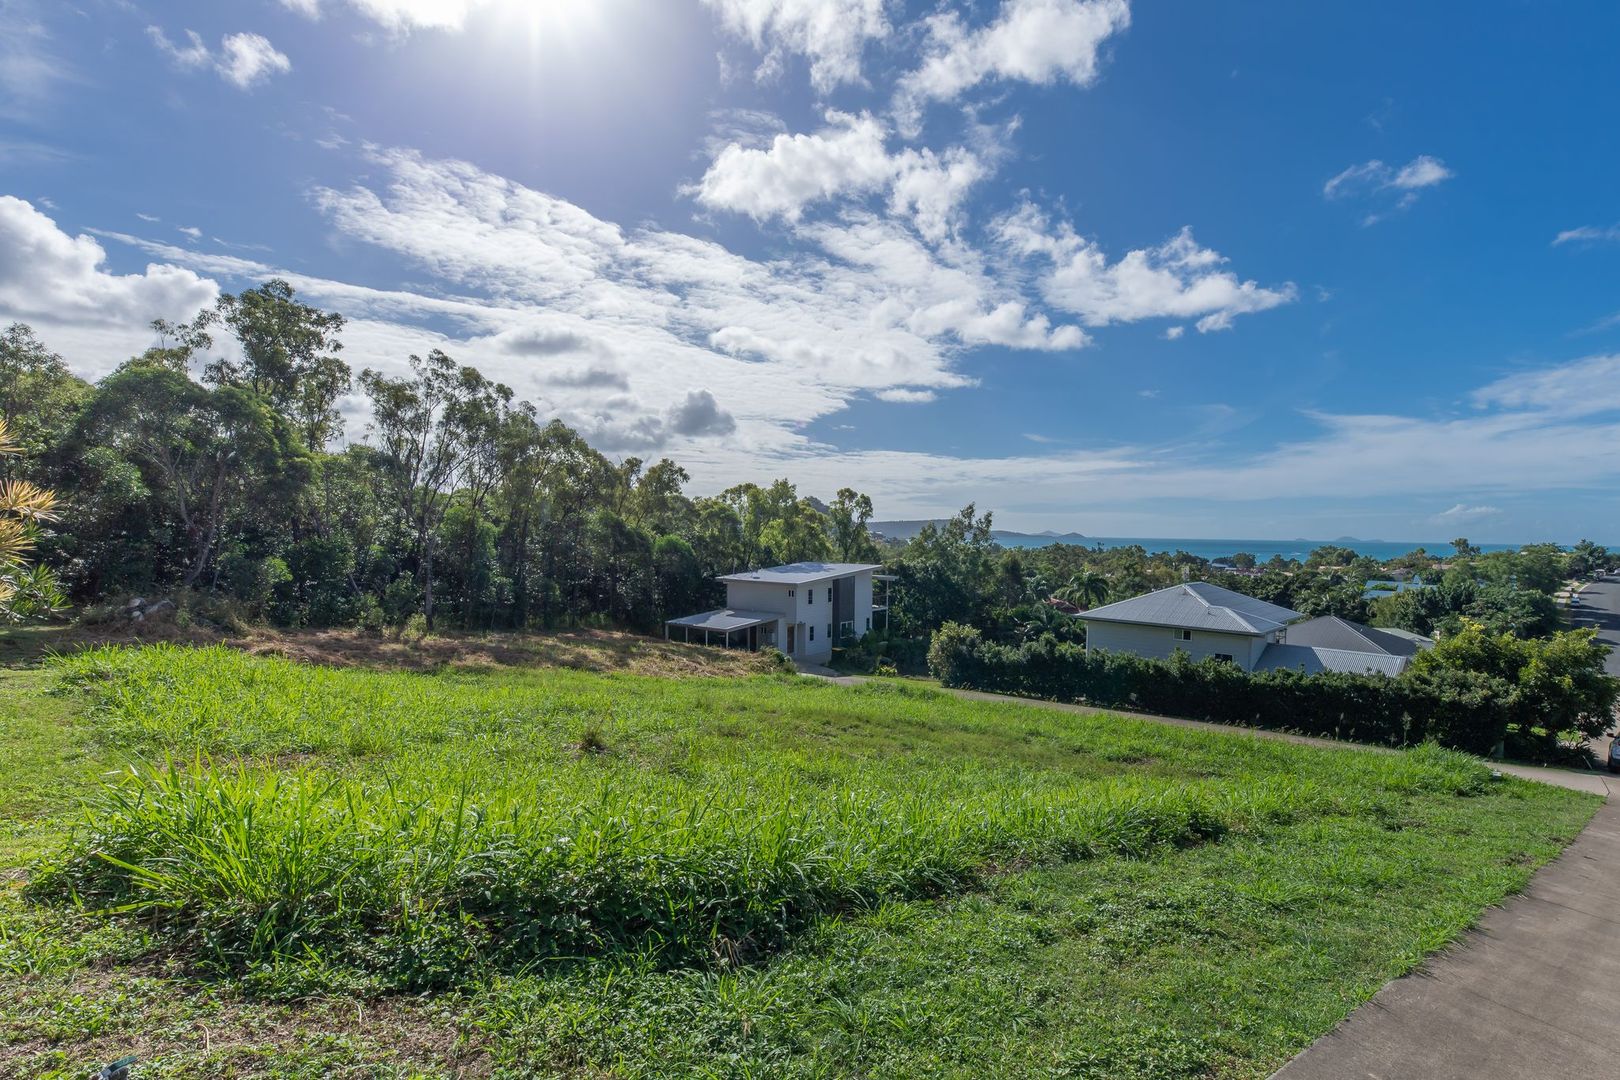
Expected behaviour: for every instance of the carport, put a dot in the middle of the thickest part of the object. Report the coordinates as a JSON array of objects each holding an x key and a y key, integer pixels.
[{"x": 736, "y": 629}]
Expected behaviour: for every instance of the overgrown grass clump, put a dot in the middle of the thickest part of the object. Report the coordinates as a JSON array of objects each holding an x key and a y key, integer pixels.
[{"x": 427, "y": 827}]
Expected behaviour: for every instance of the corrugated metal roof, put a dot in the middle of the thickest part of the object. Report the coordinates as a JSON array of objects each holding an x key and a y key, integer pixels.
[
  {"x": 1314, "y": 660},
  {"x": 1197, "y": 605},
  {"x": 801, "y": 573},
  {"x": 1332, "y": 632},
  {"x": 724, "y": 619}
]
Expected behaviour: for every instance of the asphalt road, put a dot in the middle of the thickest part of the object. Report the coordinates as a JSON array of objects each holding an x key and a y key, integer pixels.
[{"x": 1600, "y": 607}]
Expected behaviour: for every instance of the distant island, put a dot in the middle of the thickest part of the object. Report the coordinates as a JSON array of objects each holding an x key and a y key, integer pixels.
[
  {"x": 905, "y": 530},
  {"x": 1204, "y": 548}
]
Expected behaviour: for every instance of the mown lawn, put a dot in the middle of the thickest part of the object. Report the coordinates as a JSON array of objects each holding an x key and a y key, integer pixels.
[{"x": 244, "y": 866}]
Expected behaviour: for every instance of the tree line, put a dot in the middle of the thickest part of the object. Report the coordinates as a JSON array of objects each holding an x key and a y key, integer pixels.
[{"x": 214, "y": 469}]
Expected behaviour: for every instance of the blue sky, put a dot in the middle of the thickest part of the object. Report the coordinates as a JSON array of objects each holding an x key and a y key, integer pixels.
[{"x": 1262, "y": 270}]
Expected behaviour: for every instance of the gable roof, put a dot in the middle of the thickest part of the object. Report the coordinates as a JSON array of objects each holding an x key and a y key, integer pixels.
[
  {"x": 801, "y": 573},
  {"x": 1332, "y": 632},
  {"x": 1313, "y": 660},
  {"x": 1197, "y": 605}
]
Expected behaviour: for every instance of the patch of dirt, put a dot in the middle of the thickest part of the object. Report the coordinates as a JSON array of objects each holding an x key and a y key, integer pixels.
[
  {"x": 177, "y": 1033},
  {"x": 582, "y": 650}
]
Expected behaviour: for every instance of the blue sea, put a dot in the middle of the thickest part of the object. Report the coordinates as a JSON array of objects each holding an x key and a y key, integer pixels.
[{"x": 1262, "y": 550}]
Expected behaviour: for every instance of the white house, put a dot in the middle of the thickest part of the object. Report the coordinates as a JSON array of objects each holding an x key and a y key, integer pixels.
[
  {"x": 1204, "y": 620},
  {"x": 801, "y": 608}
]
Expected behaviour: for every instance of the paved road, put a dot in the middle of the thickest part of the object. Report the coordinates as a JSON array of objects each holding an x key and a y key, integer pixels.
[{"x": 1600, "y": 608}]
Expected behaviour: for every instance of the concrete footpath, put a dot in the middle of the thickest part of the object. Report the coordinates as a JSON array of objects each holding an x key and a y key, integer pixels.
[{"x": 1530, "y": 994}]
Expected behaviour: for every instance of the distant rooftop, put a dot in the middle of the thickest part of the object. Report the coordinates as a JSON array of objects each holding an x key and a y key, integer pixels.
[
  {"x": 802, "y": 573},
  {"x": 1197, "y": 605},
  {"x": 1332, "y": 632},
  {"x": 1313, "y": 660}
]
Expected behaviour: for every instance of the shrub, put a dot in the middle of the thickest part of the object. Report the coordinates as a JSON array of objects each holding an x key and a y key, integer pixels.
[{"x": 1464, "y": 710}]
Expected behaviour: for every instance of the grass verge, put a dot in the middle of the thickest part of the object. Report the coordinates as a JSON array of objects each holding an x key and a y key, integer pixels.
[{"x": 619, "y": 875}]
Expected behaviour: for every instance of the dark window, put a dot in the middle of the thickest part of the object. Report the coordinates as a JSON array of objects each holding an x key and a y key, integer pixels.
[
  {"x": 810, "y": 597},
  {"x": 829, "y": 594},
  {"x": 1225, "y": 656},
  {"x": 1184, "y": 635},
  {"x": 790, "y": 592}
]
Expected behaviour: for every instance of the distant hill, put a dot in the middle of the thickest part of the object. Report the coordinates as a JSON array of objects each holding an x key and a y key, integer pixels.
[{"x": 905, "y": 530}]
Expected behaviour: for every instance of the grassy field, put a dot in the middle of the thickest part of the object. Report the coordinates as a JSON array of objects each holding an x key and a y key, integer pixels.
[{"x": 242, "y": 865}]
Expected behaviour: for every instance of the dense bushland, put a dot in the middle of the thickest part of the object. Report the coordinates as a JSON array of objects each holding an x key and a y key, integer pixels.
[{"x": 1528, "y": 695}]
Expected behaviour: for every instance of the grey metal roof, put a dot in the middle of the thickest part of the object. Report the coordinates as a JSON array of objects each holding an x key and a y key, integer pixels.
[
  {"x": 1314, "y": 660},
  {"x": 726, "y": 619},
  {"x": 1197, "y": 605},
  {"x": 1419, "y": 640},
  {"x": 801, "y": 573},
  {"x": 1332, "y": 632}
]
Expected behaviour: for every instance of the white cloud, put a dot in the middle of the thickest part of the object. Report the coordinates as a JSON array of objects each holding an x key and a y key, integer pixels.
[
  {"x": 194, "y": 54},
  {"x": 848, "y": 158},
  {"x": 905, "y": 396},
  {"x": 1177, "y": 279},
  {"x": 567, "y": 308},
  {"x": 625, "y": 352},
  {"x": 48, "y": 276},
  {"x": 243, "y": 60},
  {"x": 309, "y": 9},
  {"x": 1588, "y": 234},
  {"x": 191, "y": 231},
  {"x": 1390, "y": 189},
  {"x": 1171, "y": 333},
  {"x": 1462, "y": 512},
  {"x": 831, "y": 34},
  {"x": 1421, "y": 172},
  {"x": 249, "y": 59},
  {"x": 1582, "y": 388},
  {"x": 1038, "y": 41},
  {"x": 29, "y": 69}
]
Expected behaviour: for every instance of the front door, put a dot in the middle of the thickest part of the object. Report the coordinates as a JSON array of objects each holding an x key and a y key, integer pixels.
[{"x": 790, "y": 642}]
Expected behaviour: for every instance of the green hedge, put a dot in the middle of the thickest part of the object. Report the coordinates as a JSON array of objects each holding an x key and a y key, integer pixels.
[{"x": 1460, "y": 709}]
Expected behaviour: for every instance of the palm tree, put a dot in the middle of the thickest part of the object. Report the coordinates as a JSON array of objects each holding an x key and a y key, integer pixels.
[
  {"x": 26, "y": 589},
  {"x": 1086, "y": 588}
]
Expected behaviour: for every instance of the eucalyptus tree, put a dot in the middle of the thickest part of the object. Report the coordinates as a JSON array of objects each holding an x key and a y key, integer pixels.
[
  {"x": 216, "y": 460},
  {"x": 435, "y": 430},
  {"x": 288, "y": 354}
]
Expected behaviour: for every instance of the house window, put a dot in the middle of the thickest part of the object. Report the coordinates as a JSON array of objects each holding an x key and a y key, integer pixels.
[
  {"x": 790, "y": 594},
  {"x": 829, "y": 594},
  {"x": 829, "y": 631},
  {"x": 1225, "y": 656},
  {"x": 812, "y": 633},
  {"x": 1184, "y": 635},
  {"x": 869, "y": 622},
  {"x": 810, "y": 597}
]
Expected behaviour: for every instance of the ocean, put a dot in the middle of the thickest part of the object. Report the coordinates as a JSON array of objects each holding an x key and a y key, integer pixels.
[{"x": 1262, "y": 550}]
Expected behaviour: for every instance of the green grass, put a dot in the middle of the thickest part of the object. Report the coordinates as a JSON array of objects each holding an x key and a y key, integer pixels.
[{"x": 563, "y": 873}]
